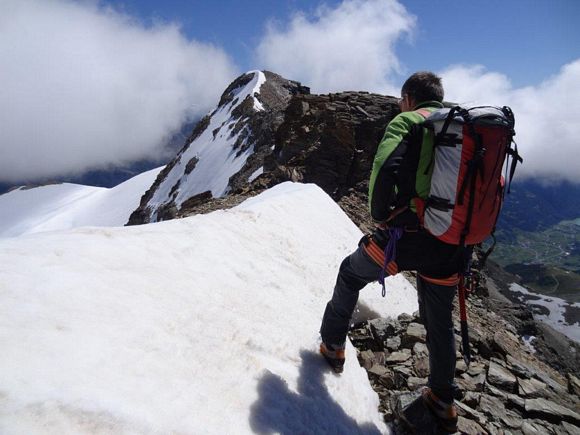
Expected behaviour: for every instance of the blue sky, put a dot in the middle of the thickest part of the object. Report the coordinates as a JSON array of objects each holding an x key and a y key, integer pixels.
[
  {"x": 528, "y": 40},
  {"x": 94, "y": 84}
]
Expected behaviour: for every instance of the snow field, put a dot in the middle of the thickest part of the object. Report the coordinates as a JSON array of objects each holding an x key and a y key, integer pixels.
[
  {"x": 556, "y": 307},
  {"x": 66, "y": 206},
  {"x": 202, "y": 325}
]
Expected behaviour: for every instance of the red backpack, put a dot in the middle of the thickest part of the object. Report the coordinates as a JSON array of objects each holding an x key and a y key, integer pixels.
[{"x": 467, "y": 186}]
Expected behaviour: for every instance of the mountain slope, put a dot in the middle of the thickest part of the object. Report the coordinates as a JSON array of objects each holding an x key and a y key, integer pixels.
[
  {"x": 200, "y": 325},
  {"x": 232, "y": 140},
  {"x": 64, "y": 206}
]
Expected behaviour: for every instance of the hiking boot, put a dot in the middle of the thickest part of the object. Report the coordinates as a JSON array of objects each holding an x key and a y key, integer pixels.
[
  {"x": 334, "y": 356},
  {"x": 446, "y": 413}
]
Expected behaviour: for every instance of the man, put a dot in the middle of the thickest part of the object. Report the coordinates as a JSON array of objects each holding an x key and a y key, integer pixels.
[{"x": 401, "y": 172}]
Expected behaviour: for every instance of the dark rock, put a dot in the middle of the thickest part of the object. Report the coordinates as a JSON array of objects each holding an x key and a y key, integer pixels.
[
  {"x": 551, "y": 411},
  {"x": 412, "y": 411},
  {"x": 476, "y": 369},
  {"x": 378, "y": 370},
  {"x": 460, "y": 367},
  {"x": 381, "y": 328},
  {"x": 393, "y": 343},
  {"x": 471, "y": 399},
  {"x": 415, "y": 333},
  {"x": 471, "y": 383},
  {"x": 367, "y": 358},
  {"x": 573, "y": 384},
  {"x": 405, "y": 318},
  {"x": 471, "y": 413},
  {"x": 512, "y": 419},
  {"x": 490, "y": 406},
  {"x": 518, "y": 368},
  {"x": 515, "y": 401},
  {"x": 505, "y": 342},
  {"x": 569, "y": 429},
  {"x": 532, "y": 388},
  {"x": 422, "y": 366},
  {"x": 191, "y": 165},
  {"x": 398, "y": 357},
  {"x": 198, "y": 199},
  {"x": 388, "y": 380},
  {"x": 414, "y": 383},
  {"x": 501, "y": 377},
  {"x": 490, "y": 389},
  {"x": 470, "y": 427},
  {"x": 420, "y": 350}
]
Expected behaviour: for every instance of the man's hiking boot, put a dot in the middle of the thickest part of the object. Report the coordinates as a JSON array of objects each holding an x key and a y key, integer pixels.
[
  {"x": 446, "y": 413},
  {"x": 334, "y": 355}
]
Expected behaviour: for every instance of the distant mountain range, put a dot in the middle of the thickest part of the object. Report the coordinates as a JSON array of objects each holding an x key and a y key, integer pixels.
[{"x": 536, "y": 206}]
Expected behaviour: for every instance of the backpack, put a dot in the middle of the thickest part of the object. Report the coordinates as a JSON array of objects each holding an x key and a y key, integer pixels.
[{"x": 470, "y": 148}]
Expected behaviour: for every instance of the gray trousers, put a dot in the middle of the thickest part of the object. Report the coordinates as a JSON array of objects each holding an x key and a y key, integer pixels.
[{"x": 435, "y": 308}]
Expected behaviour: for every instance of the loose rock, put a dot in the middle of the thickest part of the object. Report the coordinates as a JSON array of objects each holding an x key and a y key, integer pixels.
[{"x": 501, "y": 377}]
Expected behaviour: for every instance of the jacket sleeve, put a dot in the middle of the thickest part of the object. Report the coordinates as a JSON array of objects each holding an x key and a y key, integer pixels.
[{"x": 387, "y": 161}]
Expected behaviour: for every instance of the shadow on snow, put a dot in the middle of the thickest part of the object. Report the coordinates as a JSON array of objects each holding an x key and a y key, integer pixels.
[{"x": 311, "y": 410}]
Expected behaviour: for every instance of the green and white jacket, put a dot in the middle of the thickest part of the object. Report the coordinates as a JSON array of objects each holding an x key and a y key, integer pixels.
[{"x": 402, "y": 167}]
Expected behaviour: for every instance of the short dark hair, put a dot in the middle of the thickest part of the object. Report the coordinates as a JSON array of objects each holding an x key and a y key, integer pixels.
[{"x": 423, "y": 86}]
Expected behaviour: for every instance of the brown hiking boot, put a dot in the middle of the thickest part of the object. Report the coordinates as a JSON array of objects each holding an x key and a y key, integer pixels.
[
  {"x": 334, "y": 356},
  {"x": 446, "y": 413}
]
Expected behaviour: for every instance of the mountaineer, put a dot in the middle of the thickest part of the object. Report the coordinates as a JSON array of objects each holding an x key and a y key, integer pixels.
[{"x": 401, "y": 172}]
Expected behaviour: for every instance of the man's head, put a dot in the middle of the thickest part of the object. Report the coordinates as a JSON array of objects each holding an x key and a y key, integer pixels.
[{"x": 420, "y": 87}]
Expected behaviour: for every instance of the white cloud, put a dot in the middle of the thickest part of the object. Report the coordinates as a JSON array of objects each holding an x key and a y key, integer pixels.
[
  {"x": 84, "y": 87},
  {"x": 351, "y": 47},
  {"x": 547, "y": 115}
]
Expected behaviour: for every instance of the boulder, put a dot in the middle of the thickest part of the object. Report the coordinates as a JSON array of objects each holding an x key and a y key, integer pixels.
[
  {"x": 415, "y": 333},
  {"x": 573, "y": 384},
  {"x": 422, "y": 366},
  {"x": 551, "y": 411},
  {"x": 501, "y": 377},
  {"x": 398, "y": 357},
  {"x": 378, "y": 370},
  {"x": 412, "y": 412},
  {"x": 393, "y": 343},
  {"x": 532, "y": 388}
]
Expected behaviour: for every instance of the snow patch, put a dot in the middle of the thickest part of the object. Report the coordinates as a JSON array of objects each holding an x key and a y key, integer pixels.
[
  {"x": 256, "y": 174},
  {"x": 207, "y": 324},
  {"x": 65, "y": 206},
  {"x": 528, "y": 342},
  {"x": 556, "y": 308}
]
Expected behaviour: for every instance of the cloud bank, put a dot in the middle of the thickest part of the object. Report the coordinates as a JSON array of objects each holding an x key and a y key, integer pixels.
[
  {"x": 547, "y": 115},
  {"x": 350, "y": 47},
  {"x": 83, "y": 87}
]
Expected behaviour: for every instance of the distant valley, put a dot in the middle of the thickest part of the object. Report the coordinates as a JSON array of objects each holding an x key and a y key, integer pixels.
[{"x": 539, "y": 238}]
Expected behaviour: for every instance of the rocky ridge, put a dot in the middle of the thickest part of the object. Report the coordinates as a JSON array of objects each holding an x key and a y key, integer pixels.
[{"x": 505, "y": 390}]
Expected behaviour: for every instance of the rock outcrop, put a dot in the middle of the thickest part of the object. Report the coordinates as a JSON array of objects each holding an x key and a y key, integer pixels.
[{"x": 506, "y": 388}]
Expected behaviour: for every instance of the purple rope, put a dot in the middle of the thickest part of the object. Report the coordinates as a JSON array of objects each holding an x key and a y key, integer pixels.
[{"x": 390, "y": 254}]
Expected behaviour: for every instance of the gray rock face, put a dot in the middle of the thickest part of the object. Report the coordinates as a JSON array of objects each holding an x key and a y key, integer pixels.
[
  {"x": 501, "y": 377},
  {"x": 551, "y": 411},
  {"x": 415, "y": 333},
  {"x": 509, "y": 393},
  {"x": 532, "y": 388}
]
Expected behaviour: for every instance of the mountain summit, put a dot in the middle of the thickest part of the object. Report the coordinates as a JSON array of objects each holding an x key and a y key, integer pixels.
[
  {"x": 267, "y": 130},
  {"x": 231, "y": 141}
]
